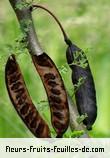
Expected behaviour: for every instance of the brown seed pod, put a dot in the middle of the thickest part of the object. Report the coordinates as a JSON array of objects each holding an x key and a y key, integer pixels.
[
  {"x": 55, "y": 91},
  {"x": 86, "y": 94},
  {"x": 21, "y": 100}
]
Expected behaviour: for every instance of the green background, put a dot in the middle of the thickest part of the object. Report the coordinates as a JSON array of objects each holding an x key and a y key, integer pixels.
[{"x": 88, "y": 25}]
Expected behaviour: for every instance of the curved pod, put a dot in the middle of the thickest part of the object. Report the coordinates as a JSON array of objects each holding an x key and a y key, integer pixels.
[
  {"x": 21, "y": 100},
  {"x": 85, "y": 94},
  {"x": 55, "y": 91}
]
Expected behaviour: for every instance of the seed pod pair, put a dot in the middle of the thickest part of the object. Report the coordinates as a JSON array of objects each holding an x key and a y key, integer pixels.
[
  {"x": 85, "y": 95},
  {"x": 55, "y": 91}
]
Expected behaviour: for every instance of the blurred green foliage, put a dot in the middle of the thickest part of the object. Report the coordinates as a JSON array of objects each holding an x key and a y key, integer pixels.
[{"x": 88, "y": 25}]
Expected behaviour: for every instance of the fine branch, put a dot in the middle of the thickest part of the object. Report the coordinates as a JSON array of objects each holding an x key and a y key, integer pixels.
[{"x": 25, "y": 20}]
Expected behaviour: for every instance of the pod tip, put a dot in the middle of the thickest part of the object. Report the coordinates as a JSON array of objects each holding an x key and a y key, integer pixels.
[{"x": 89, "y": 127}]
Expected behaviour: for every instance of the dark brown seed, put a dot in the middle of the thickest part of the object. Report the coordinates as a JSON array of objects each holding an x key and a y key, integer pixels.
[
  {"x": 24, "y": 109},
  {"x": 23, "y": 96},
  {"x": 52, "y": 83},
  {"x": 58, "y": 114},
  {"x": 49, "y": 76},
  {"x": 55, "y": 91},
  {"x": 16, "y": 86},
  {"x": 56, "y": 106},
  {"x": 33, "y": 124},
  {"x": 14, "y": 78},
  {"x": 29, "y": 118},
  {"x": 20, "y": 101},
  {"x": 39, "y": 128},
  {"x": 55, "y": 99},
  {"x": 20, "y": 91}
]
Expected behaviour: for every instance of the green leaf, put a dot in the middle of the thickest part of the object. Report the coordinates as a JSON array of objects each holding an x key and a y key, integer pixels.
[{"x": 81, "y": 118}]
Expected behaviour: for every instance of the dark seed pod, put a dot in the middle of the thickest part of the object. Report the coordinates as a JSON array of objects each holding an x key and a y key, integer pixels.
[
  {"x": 55, "y": 91},
  {"x": 21, "y": 100},
  {"x": 85, "y": 94}
]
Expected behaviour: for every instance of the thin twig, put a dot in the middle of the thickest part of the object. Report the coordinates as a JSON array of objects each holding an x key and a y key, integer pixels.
[{"x": 26, "y": 23}]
